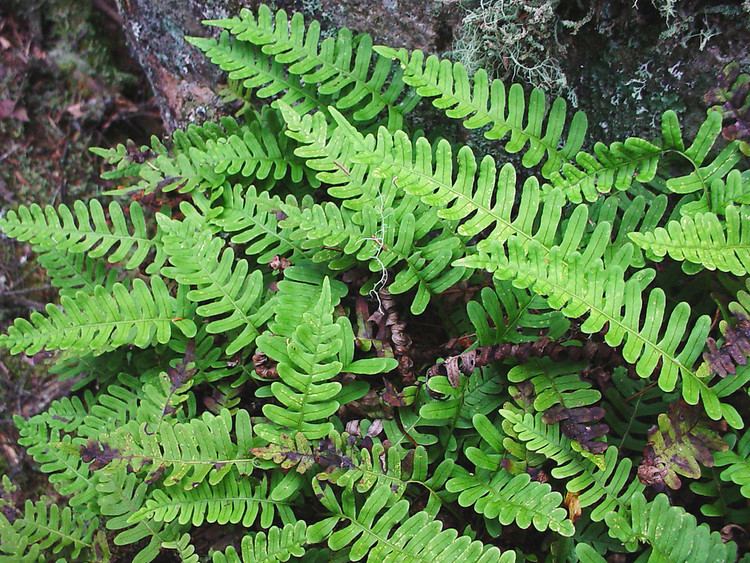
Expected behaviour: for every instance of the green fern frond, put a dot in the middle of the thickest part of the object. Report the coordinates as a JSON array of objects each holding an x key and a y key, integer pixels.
[
  {"x": 189, "y": 453},
  {"x": 254, "y": 220},
  {"x": 185, "y": 550},
  {"x": 385, "y": 532},
  {"x": 101, "y": 322},
  {"x": 606, "y": 488},
  {"x": 120, "y": 495},
  {"x": 306, "y": 364},
  {"x": 47, "y": 528},
  {"x": 298, "y": 292},
  {"x": 277, "y": 544},
  {"x": 577, "y": 174},
  {"x": 481, "y": 393},
  {"x": 479, "y": 102},
  {"x": 259, "y": 73},
  {"x": 555, "y": 383},
  {"x": 87, "y": 229},
  {"x": 571, "y": 277},
  {"x": 504, "y": 313},
  {"x": 224, "y": 289},
  {"x": 621, "y": 164},
  {"x": 340, "y": 67},
  {"x": 734, "y": 190},
  {"x": 737, "y": 464},
  {"x": 513, "y": 498},
  {"x": 235, "y": 500},
  {"x": 210, "y": 156},
  {"x": 398, "y": 240},
  {"x": 59, "y": 455},
  {"x": 704, "y": 239},
  {"x": 704, "y": 171},
  {"x": 71, "y": 273},
  {"x": 671, "y": 533},
  {"x": 579, "y": 284}
]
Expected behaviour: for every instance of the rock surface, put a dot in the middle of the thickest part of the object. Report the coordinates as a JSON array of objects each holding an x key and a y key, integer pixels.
[{"x": 622, "y": 66}]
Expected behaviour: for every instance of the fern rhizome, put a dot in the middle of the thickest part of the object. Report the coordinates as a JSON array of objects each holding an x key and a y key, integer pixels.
[{"x": 313, "y": 332}]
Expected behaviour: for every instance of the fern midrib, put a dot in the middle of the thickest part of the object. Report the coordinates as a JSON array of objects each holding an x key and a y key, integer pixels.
[
  {"x": 144, "y": 320},
  {"x": 180, "y": 461},
  {"x": 514, "y": 321}
]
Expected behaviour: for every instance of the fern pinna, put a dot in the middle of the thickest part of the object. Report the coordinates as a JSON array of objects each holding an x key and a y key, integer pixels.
[{"x": 340, "y": 338}]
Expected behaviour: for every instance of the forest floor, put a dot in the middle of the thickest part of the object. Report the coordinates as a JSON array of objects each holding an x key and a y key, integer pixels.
[{"x": 67, "y": 83}]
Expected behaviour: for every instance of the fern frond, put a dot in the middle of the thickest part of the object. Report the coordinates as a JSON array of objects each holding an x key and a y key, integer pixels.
[
  {"x": 579, "y": 284},
  {"x": 234, "y": 500},
  {"x": 71, "y": 273},
  {"x": 59, "y": 455},
  {"x": 47, "y": 528},
  {"x": 480, "y": 102},
  {"x": 122, "y": 494},
  {"x": 504, "y": 313},
  {"x": 277, "y": 544},
  {"x": 482, "y": 393},
  {"x": 101, "y": 322},
  {"x": 671, "y": 533},
  {"x": 253, "y": 219},
  {"x": 555, "y": 383},
  {"x": 189, "y": 453},
  {"x": 734, "y": 190},
  {"x": 224, "y": 289},
  {"x": 87, "y": 229},
  {"x": 340, "y": 67},
  {"x": 259, "y": 73},
  {"x": 385, "y": 532},
  {"x": 513, "y": 498},
  {"x": 737, "y": 464},
  {"x": 398, "y": 239},
  {"x": 704, "y": 239},
  {"x": 606, "y": 488},
  {"x": 621, "y": 164},
  {"x": 306, "y": 364},
  {"x": 185, "y": 550}
]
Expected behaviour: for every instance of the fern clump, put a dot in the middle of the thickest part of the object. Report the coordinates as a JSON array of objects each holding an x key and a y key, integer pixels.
[{"x": 344, "y": 339}]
